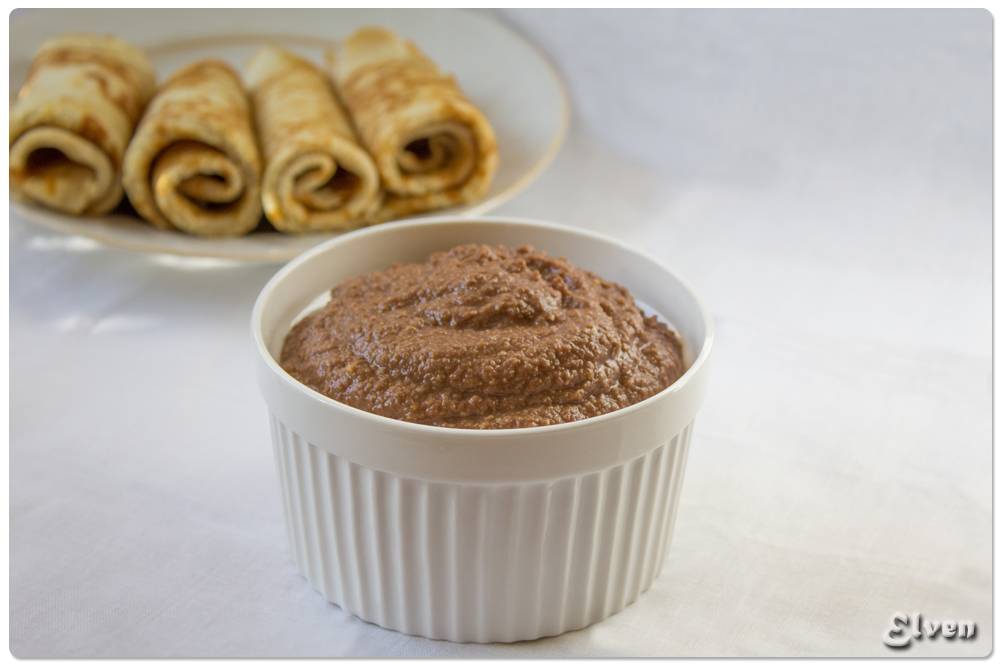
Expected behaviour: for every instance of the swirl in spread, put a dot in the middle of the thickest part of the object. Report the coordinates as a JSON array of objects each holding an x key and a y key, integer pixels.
[{"x": 483, "y": 337}]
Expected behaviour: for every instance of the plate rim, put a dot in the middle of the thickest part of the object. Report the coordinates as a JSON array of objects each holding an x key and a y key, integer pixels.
[{"x": 67, "y": 224}]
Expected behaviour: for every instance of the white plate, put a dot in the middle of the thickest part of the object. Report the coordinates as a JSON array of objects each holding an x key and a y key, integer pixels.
[{"x": 509, "y": 79}]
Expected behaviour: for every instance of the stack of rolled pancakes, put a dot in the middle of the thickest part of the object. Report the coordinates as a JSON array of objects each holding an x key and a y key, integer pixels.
[{"x": 381, "y": 134}]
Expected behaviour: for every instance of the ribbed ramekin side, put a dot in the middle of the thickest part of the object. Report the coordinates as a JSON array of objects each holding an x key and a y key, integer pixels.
[{"x": 474, "y": 562}]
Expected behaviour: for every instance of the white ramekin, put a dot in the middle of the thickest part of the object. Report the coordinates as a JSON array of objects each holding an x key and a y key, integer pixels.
[{"x": 471, "y": 535}]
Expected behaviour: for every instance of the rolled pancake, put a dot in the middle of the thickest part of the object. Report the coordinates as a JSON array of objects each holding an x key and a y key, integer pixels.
[
  {"x": 72, "y": 120},
  {"x": 193, "y": 163},
  {"x": 317, "y": 177},
  {"x": 432, "y": 146}
]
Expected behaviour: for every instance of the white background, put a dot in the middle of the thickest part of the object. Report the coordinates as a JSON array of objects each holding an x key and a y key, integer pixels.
[{"x": 823, "y": 178}]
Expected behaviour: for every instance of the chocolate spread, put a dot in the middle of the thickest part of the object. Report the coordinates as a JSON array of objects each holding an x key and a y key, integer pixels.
[{"x": 483, "y": 337}]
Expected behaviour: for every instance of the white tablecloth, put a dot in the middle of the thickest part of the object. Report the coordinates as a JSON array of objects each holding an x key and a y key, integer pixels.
[{"x": 823, "y": 179}]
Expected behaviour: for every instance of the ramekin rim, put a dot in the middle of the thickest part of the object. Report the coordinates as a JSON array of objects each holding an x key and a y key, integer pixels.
[{"x": 447, "y": 431}]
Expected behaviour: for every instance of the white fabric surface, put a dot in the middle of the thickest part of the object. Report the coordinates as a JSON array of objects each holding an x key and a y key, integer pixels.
[{"x": 823, "y": 179}]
